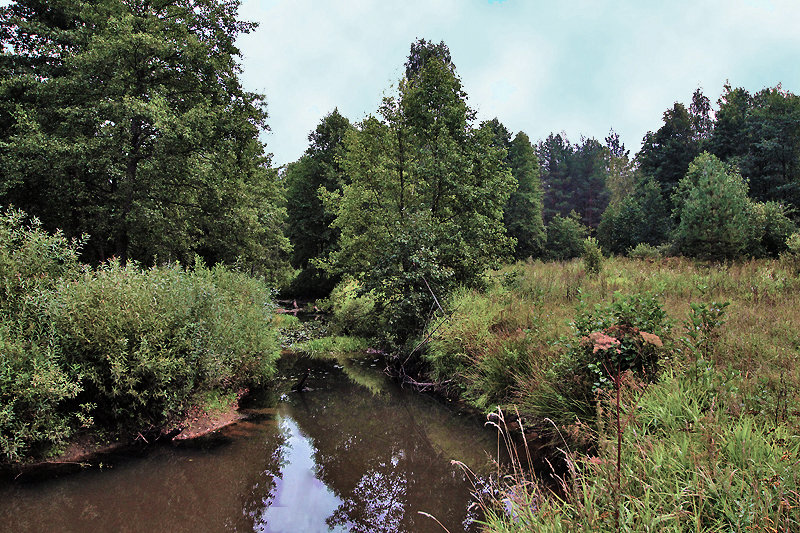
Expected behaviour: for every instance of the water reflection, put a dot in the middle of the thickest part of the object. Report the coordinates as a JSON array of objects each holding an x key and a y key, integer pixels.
[{"x": 341, "y": 457}]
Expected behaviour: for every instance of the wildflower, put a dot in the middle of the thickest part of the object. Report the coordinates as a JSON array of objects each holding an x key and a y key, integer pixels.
[{"x": 600, "y": 341}]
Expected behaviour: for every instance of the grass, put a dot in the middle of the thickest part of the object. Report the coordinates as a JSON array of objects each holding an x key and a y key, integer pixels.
[
  {"x": 332, "y": 347},
  {"x": 710, "y": 443}
]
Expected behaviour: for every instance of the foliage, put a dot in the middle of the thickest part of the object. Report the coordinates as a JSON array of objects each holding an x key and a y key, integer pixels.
[
  {"x": 481, "y": 346},
  {"x": 522, "y": 215},
  {"x": 118, "y": 348},
  {"x": 686, "y": 463},
  {"x": 627, "y": 334},
  {"x": 308, "y": 222},
  {"x": 565, "y": 236},
  {"x": 145, "y": 340},
  {"x": 713, "y": 212},
  {"x": 423, "y": 211},
  {"x": 622, "y": 173},
  {"x": 792, "y": 254},
  {"x": 574, "y": 178},
  {"x": 644, "y": 251},
  {"x": 34, "y": 379},
  {"x": 760, "y": 134},
  {"x": 592, "y": 256},
  {"x": 155, "y": 153},
  {"x": 666, "y": 154},
  {"x": 771, "y": 227},
  {"x": 352, "y": 310},
  {"x": 641, "y": 217}
]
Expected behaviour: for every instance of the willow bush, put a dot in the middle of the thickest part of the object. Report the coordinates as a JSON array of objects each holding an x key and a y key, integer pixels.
[{"x": 116, "y": 348}]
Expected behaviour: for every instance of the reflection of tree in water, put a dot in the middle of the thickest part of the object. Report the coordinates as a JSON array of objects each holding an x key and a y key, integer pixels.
[
  {"x": 263, "y": 486},
  {"x": 372, "y": 452},
  {"x": 214, "y": 485}
]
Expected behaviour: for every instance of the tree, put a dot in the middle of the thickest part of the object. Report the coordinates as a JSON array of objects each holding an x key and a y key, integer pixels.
[
  {"x": 712, "y": 210},
  {"x": 760, "y": 134},
  {"x": 308, "y": 222},
  {"x": 640, "y": 217},
  {"x": 574, "y": 178},
  {"x": 589, "y": 172},
  {"x": 127, "y": 120},
  {"x": 666, "y": 154},
  {"x": 423, "y": 210},
  {"x": 555, "y": 154},
  {"x": 523, "y": 211},
  {"x": 621, "y": 172}
]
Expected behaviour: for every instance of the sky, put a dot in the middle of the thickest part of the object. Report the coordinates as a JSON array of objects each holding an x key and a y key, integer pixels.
[{"x": 576, "y": 66}]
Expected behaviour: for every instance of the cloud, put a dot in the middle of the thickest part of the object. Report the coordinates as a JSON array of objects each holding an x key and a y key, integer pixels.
[{"x": 580, "y": 66}]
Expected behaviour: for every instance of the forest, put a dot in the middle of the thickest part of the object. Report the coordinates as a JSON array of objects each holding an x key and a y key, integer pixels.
[{"x": 623, "y": 306}]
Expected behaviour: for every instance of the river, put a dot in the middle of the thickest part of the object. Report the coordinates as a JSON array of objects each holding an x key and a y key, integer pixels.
[{"x": 355, "y": 452}]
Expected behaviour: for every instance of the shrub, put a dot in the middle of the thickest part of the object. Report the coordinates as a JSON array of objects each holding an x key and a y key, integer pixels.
[
  {"x": 771, "y": 228},
  {"x": 34, "y": 381},
  {"x": 792, "y": 254},
  {"x": 144, "y": 341},
  {"x": 592, "y": 256},
  {"x": 626, "y": 334},
  {"x": 565, "y": 237},
  {"x": 352, "y": 310},
  {"x": 644, "y": 251}
]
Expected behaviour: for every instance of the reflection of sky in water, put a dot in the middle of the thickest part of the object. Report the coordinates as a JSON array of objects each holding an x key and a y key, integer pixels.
[{"x": 301, "y": 501}]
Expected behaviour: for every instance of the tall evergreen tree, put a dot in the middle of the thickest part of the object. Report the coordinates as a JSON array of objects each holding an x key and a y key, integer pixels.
[
  {"x": 555, "y": 155},
  {"x": 713, "y": 212},
  {"x": 666, "y": 154},
  {"x": 574, "y": 178}
]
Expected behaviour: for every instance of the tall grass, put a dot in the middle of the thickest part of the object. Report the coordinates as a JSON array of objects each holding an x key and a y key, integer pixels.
[
  {"x": 687, "y": 463},
  {"x": 710, "y": 445}
]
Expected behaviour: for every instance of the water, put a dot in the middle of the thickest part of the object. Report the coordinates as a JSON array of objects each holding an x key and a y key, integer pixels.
[{"x": 355, "y": 453}]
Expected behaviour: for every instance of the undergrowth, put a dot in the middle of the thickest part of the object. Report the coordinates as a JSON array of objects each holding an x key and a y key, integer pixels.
[
  {"x": 116, "y": 349},
  {"x": 667, "y": 387}
]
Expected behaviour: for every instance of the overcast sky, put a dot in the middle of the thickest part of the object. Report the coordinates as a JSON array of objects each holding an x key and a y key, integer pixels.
[{"x": 581, "y": 67}]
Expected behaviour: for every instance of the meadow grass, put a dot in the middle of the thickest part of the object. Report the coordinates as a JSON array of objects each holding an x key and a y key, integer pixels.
[{"x": 709, "y": 443}]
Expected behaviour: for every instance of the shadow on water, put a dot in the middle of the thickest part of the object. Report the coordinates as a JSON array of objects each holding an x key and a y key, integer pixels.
[{"x": 353, "y": 453}]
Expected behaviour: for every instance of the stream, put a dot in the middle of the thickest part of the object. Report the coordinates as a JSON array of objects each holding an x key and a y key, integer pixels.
[{"x": 355, "y": 452}]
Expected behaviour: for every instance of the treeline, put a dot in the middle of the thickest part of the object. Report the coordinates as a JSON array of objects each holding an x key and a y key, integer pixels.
[
  {"x": 421, "y": 198},
  {"x": 128, "y": 123}
]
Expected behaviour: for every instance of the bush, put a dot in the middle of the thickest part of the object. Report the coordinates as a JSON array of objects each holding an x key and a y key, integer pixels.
[
  {"x": 771, "y": 228},
  {"x": 792, "y": 254},
  {"x": 592, "y": 256},
  {"x": 612, "y": 338},
  {"x": 644, "y": 251},
  {"x": 143, "y": 341},
  {"x": 34, "y": 381},
  {"x": 565, "y": 237},
  {"x": 352, "y": 310}
]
